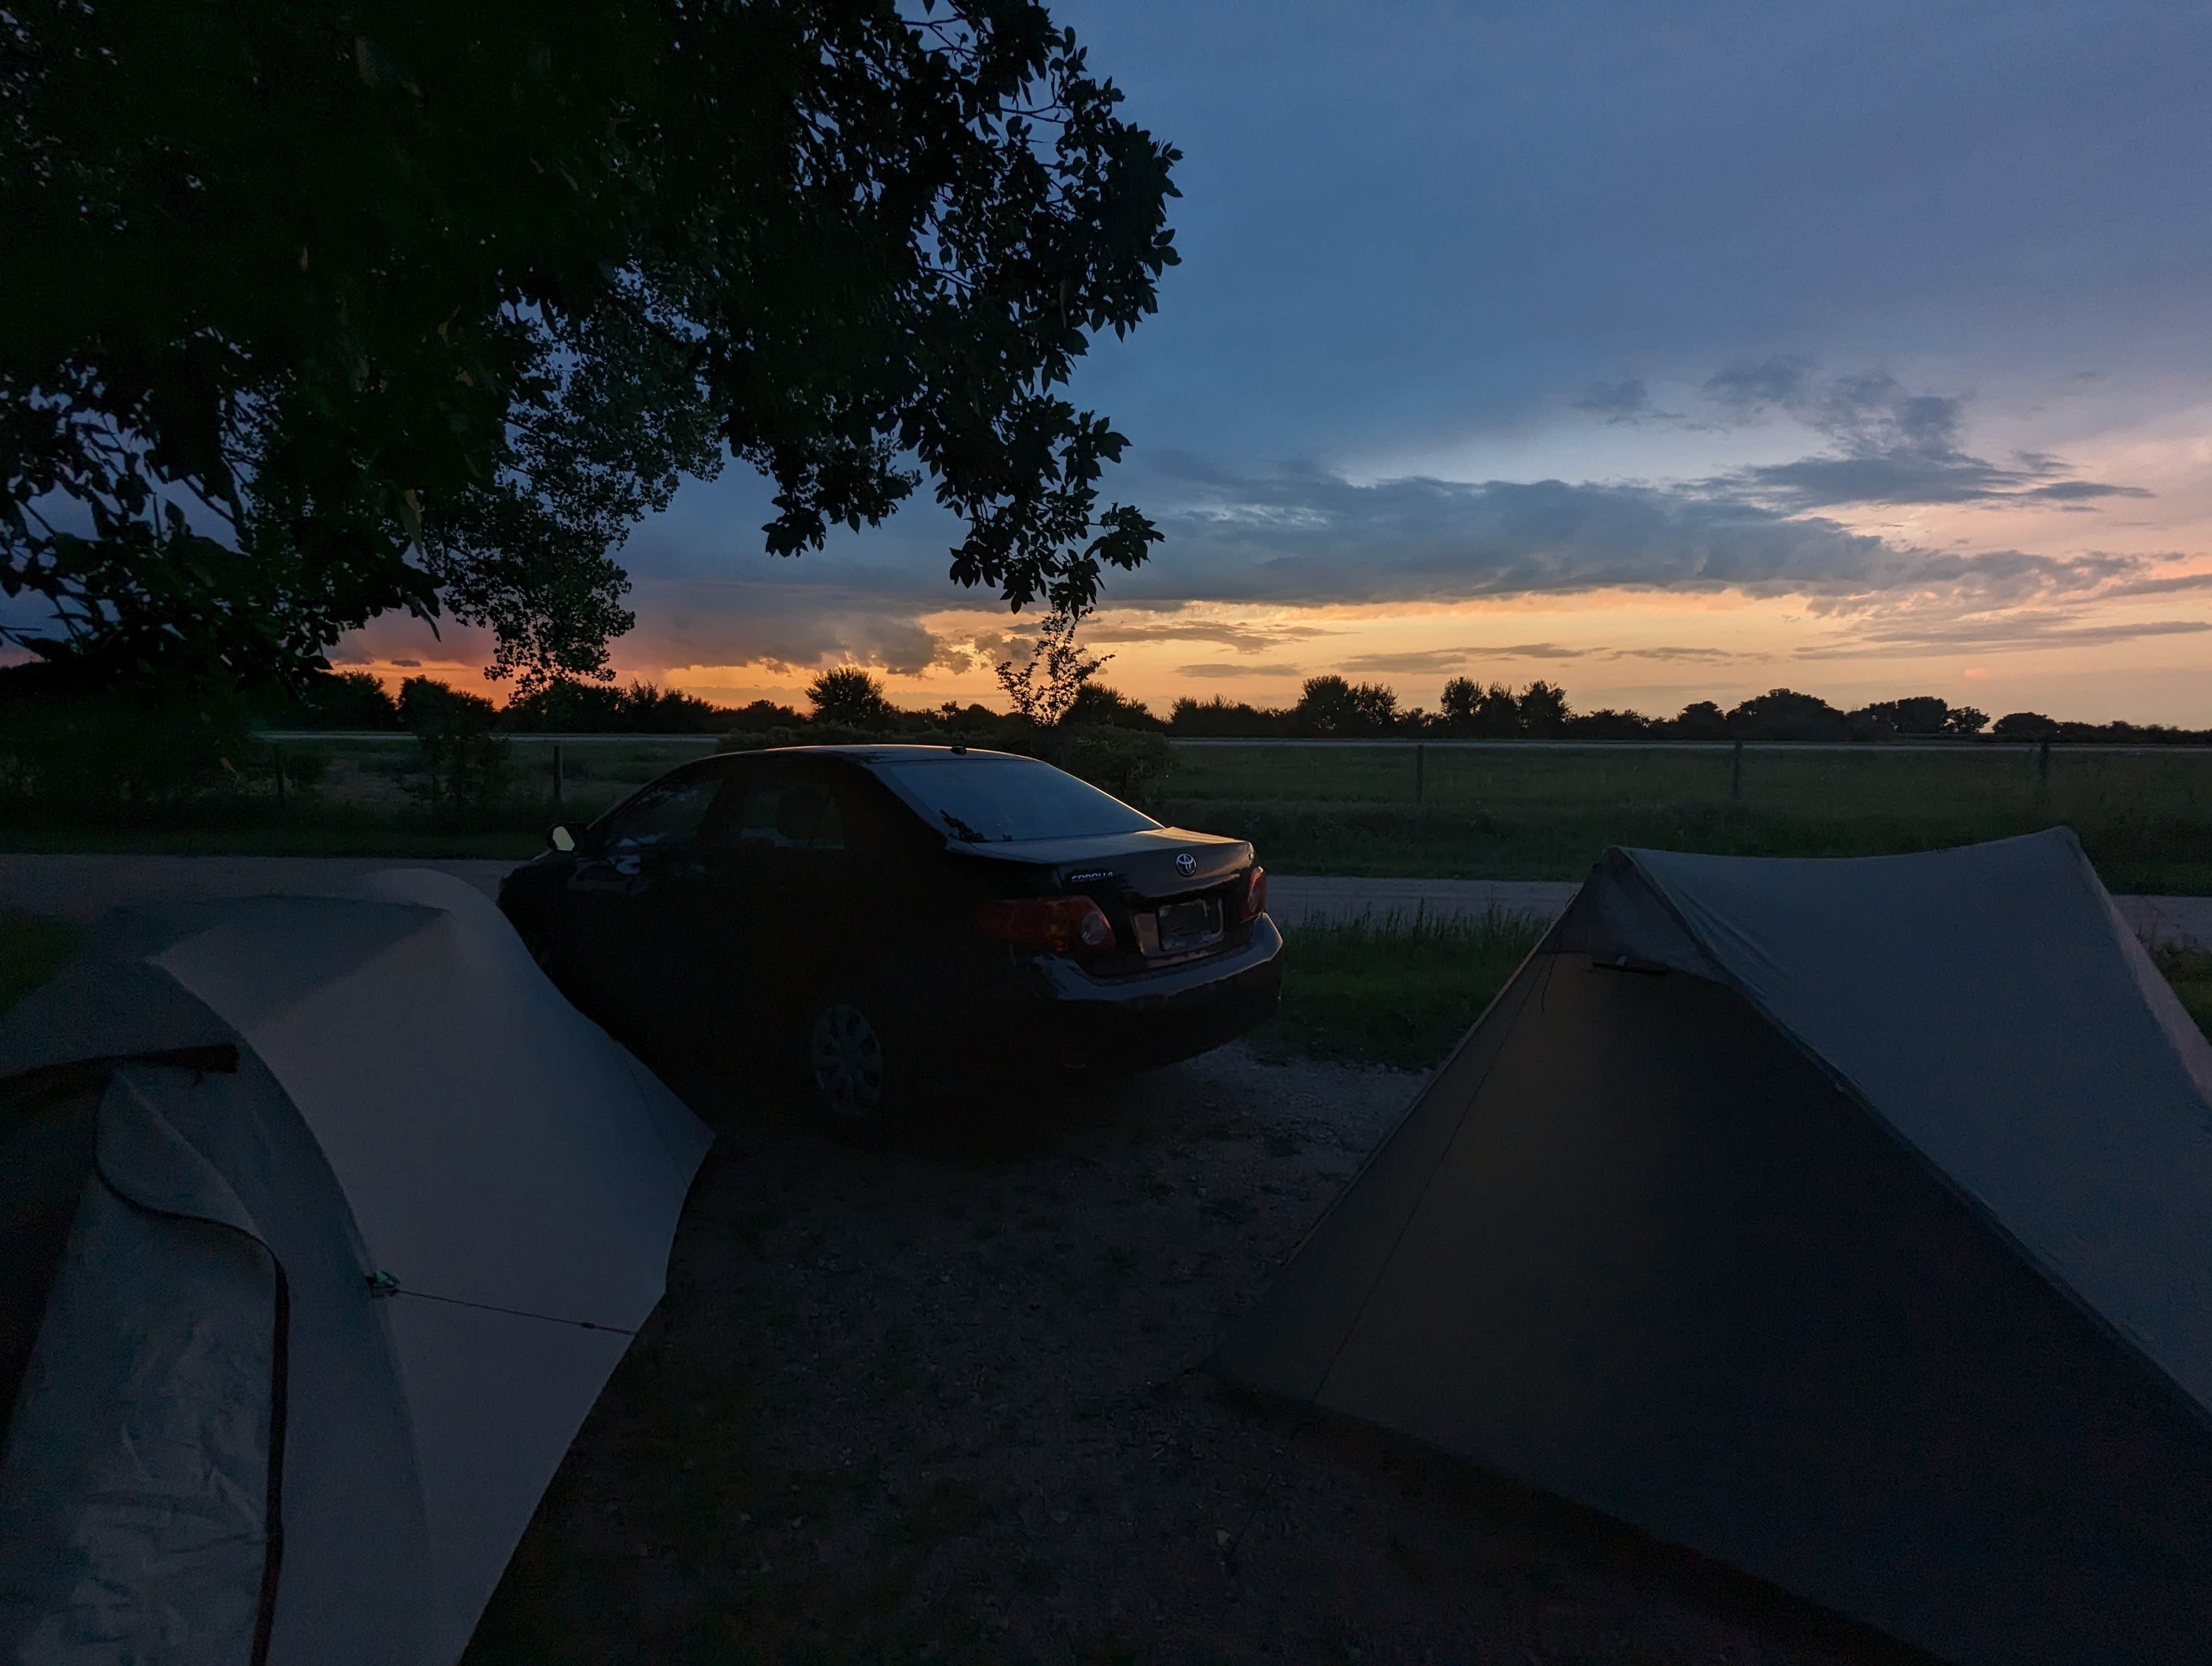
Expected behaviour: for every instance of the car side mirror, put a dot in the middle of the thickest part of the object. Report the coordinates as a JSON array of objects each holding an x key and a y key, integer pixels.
[{"x": 562, "y": 840}]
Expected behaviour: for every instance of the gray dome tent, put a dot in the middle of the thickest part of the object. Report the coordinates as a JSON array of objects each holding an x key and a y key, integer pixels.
[
  {"x": 322, "y": 1221},
  {"x": 1847, "y": 1221}
]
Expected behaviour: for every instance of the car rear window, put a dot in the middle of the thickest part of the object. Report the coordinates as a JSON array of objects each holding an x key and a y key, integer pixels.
[{"x": 1004, "y": 800}]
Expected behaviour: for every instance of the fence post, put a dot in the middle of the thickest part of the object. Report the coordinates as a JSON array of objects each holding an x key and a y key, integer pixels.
[
  {"x": 557, "y": 782},
  {"x": 1420, "y": 769},
  {"x": 278, "y": 753},
  {"x": 2043, "y": 761},
  {"x": 1735, "y": 772}
]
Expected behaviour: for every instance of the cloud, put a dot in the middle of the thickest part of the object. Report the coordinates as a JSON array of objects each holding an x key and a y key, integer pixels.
[
  {"x": 1626, "y": 401},
  {"x": 2070, "y": 490},
  {"x": 1218, "y": 669},
  {"x": 2163, "y": 587},
  {"x": 1889, "y": 444},
  {"x": 2008, "y": 633},
  {"x": 1746, "y": 392},
  {"x": 1690, "y": 655},
  {"x": 1241, "y": 638},
  {"x": 1447, "y": 658},
  {"x": 1307, "y": 536},
  {"x": 784, "y": 627}
]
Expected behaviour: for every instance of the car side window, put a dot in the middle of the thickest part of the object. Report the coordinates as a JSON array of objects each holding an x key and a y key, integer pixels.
[
  {"x": 665, "y": 815},
  {"x": 789, "y": 812}
]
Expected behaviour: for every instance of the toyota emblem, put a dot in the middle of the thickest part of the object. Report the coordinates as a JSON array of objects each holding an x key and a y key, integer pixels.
[{"x": 1185, "y": 864}]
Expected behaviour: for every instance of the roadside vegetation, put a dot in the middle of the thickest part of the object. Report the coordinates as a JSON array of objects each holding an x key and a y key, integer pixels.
[
  {"x": 1396, "y": 991},
  {"x": 439, "y": 771},
  {"x": 1511, "y": 814},
  {"x": 2144, "y": 818},
  {"x": 2190, "y": 972}
]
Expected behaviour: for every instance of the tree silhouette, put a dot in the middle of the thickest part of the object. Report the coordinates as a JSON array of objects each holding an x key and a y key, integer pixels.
[
  {"x": 850, "y": 696},
  {"x": 320, "y": 309}
]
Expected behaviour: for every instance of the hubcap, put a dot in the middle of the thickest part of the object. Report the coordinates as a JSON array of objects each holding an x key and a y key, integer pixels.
[{"x": 847, "y": 1056}]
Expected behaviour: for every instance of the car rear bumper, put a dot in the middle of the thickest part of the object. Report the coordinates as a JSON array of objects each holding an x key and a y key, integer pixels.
[{"x": 1156, "y": 1018}]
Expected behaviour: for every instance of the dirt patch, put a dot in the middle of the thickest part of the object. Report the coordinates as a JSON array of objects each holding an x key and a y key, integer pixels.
[{"x": 938, "y": 1403}]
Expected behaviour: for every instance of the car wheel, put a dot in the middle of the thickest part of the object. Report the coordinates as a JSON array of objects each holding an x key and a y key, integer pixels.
[{"x": 852, "y": 1069}]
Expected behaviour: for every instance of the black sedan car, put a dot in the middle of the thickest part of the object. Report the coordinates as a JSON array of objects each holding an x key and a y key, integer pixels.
[{"x": 896, "y": 919}]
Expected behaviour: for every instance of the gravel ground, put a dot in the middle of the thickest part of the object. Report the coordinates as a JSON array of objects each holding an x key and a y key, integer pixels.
[{"x": 939, "y": 1402}]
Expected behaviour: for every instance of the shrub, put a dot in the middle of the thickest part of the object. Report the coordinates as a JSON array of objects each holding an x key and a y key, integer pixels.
[
  {"x": 1786, "y": 714},
  {"x": 465, "y": 763},
  {"x": 342, "y": 700},
  {"x": 1220, "y": 718},
  {"x": 1701, "y": 720},
  {"x": 1122, "y": 761},
  {"x": 1096, "y": 703},
  {"x": 69, "y": 738}
]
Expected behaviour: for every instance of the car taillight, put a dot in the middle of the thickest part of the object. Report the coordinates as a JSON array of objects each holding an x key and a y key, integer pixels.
[
  {"x": 1254, "y": 903},
  {"x": 1058, "y": 925}
]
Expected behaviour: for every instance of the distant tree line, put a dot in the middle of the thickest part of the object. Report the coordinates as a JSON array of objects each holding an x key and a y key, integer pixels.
[
  {"x": 1332, "y": 707},
  {"x": 848, "y": 698}
]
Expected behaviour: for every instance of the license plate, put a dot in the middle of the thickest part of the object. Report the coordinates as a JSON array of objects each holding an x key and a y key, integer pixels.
[{"x": 1189, "y": 925}]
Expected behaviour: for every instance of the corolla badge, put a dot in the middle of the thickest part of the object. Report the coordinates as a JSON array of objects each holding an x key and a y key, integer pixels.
[{"x": 1185, "y": 864}]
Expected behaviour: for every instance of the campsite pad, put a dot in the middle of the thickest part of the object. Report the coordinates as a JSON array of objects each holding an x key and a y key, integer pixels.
[{"x": 924, "y": 1404}]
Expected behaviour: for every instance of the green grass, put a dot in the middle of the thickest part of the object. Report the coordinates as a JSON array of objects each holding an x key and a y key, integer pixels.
[
  {"x": 1401, "y": 991},
  {"x": 2146, "y": 819},
  {"x": 32, "y": 950},
  {"x": 1398, "y": 991},
  {"x": 1507, "y": 813},
  {"x": 2191, "y": 974}
]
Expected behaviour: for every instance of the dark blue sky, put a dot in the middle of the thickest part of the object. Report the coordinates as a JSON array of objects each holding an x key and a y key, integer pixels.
[{"x": 1705, "y": 345}]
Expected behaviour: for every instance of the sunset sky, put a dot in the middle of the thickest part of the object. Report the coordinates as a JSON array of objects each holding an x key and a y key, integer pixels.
[{"x": 1668, "y": 353}]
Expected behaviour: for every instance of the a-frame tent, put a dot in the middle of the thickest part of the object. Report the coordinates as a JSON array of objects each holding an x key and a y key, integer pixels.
[
  {"x": 324, "y": 1220},
  {"x": 1849, "y": 1222}
]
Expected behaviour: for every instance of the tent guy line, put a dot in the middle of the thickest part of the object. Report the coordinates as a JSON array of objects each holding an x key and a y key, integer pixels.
[{"x": 383, "y": 1284}]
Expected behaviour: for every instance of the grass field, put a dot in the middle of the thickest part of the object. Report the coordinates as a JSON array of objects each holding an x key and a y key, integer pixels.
[
  {"x": 1395, "y": 991},
  {"x": 2191, "y": 975},
  {"x": 1519, "y": 813},
  {"x": 1533, "y": 814}
]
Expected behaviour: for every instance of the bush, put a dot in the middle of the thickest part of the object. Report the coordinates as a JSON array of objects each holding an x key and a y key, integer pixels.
[
  {"x": 1786, "y": 714},
  {"x": 2025, "y": 725},
  {"x": 762, "y": 715},
  {"x": 466, "y": 765},
  {"x": 68, "y": 738},
  {"x": 1222, "y": 719},
  {"x": 342, "y": 700},
  {"x": 1095, "y": 704},
  {"x": 569, "y": 707},
  {"x": 1123, "y": 762}
]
